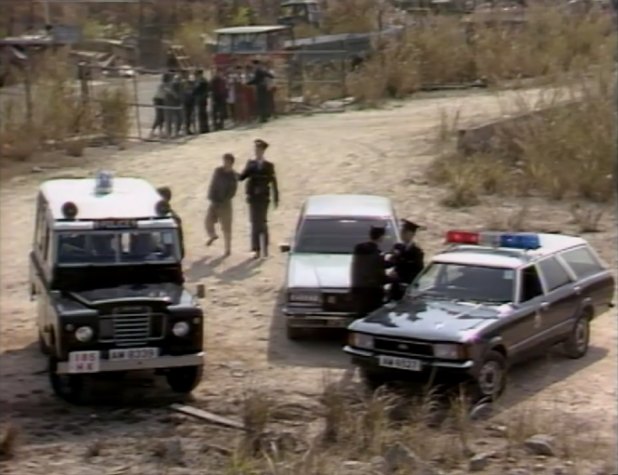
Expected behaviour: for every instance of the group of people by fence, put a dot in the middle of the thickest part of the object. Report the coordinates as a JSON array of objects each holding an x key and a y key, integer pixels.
[{"x": 190, "y": 103}]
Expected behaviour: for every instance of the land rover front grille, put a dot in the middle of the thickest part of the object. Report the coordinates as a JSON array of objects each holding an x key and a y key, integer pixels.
[
  {"x": 403, "y": 347},
  {"x": 131, "y": 326}
]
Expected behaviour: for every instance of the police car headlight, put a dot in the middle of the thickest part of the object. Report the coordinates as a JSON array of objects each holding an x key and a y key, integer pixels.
[
  {"x": 449, "y": 351},
  {"x": 180, "y": 329},
  {"x": 305, "y": 297},
  {"x": 360, "y": 340},
  {"x": 84, "y": 334}
]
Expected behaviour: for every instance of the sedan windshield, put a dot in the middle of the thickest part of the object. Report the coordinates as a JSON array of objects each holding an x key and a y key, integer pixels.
[
  {"x": 340, "y": 235},
  {"x": 467, "y": 282},
  {"x": 127, "y": 247}
]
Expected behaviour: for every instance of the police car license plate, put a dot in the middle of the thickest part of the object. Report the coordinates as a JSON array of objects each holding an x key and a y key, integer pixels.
[
  {"x": 133, "y": 354},
  {"x": 399, "y": 363},
  {"x": 84, "y": 361}
]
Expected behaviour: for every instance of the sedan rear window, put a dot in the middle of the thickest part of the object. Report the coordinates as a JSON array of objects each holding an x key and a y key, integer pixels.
[
  {"x": 467, "y": 282},
  {"x": 582, "y": 261},
  {"x": 339, "y": 235}
]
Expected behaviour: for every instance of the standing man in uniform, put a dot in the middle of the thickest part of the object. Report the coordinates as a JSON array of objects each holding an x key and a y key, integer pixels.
[
  {"x": 218, "y": 88},
  {"x": 260, "y": 81},
  {"x": 368, "y": 276},
  {"x": 188, "y": 101},
  {"x": 407, "y": 259},
  {"x": 200, "y": 94},
  {"x": 166, "y": 194},
  {"x": 222, "y": 190},
  {"x": 178, "y": 89},
  {"x": 261, "y": 181}
]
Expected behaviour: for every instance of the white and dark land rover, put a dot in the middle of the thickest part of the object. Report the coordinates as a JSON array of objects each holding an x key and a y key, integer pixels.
[{"x": 106, "y": 271}]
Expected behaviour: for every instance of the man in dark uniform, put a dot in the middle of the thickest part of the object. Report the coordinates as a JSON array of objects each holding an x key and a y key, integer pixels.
[
  {"x": 188, "y": 101},
  {"x": 368, "y": 276},
  {"x": 260, "y": 81},
  {"x": 166, "y": 194},
  {"x": 261, "y": 181},
  {"x": 407, "y": 259},
  {"x": 200, "y": 94}
]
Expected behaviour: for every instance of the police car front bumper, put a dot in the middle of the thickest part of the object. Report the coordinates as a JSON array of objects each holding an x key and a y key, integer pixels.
[
  {"x": 426, "y": 368},
  {"x": 161, "y": 362},
  {"x": 315, "y": 318}
]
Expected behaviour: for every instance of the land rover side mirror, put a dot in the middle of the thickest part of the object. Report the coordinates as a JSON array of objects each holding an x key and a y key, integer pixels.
[
  {"x": 284, "y": 247},
  {"x": 200, "y": 291}
]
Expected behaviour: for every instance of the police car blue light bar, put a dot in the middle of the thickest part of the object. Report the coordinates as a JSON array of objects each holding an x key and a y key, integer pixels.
[{"x": 493, "y": 239}]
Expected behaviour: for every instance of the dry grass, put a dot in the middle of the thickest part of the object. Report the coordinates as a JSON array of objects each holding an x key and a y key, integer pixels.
[
  {"x": 549, "y": 152},
  {"x": 256, "y": 416},
  {"x": 552, "y": 44},
  {"x": 60, "y": 115},
  {"x": 8, "y": 441}
]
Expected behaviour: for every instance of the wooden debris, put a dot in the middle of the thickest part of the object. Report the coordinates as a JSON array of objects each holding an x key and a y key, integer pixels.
[{"x": 207, "y": 416}]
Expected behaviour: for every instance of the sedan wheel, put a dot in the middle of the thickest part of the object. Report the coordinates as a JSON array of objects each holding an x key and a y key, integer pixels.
[
  {"x": 491, "y": 378},
  {"x": 577, "y": 344}
]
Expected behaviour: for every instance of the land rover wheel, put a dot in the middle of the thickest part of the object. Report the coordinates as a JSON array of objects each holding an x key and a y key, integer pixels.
[
  {"x": 490, "y": 381},
  {"x": 577, "y": 344},
  {"x": 69, "y": 387},
  {"x": 185, "y": 379}
]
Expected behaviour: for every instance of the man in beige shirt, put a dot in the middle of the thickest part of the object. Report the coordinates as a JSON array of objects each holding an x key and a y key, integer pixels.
[{"x": 222, "y": 190}]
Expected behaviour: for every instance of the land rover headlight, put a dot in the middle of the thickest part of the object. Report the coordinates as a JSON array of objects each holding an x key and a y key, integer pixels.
[
  {"x": 305, "y": 297},
  {"x": 84, "y": 334},
  {"x": 360, "y": 340},
  {"x": 180, "y": 329},
  {"x": 449, "y": 351}
]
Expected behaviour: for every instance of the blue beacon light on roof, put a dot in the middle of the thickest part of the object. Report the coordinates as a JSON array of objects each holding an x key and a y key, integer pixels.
[
  {"x": 520, "y": 241},
  {"x": 104, "y": 183}
]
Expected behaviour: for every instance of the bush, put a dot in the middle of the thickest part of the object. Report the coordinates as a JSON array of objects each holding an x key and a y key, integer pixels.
[{"x": 114, "y": 114}]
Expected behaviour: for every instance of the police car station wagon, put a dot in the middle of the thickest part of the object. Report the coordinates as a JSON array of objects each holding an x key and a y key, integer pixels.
[
  {"x": 106, "y": 271},
  {"x": 317, "y": 282},
  {"x": 488, "y": 301}
]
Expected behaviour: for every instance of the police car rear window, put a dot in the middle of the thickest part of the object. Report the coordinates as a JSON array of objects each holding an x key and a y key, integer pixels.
[{"x": 339, "y": 235}]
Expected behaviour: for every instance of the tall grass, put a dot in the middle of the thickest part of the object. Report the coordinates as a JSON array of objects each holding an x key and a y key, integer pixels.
[{"x": 552, "y": 43}]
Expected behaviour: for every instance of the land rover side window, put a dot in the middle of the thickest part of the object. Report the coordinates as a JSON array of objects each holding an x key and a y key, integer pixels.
[
  {"x": 339, "y": 235},
  {"x": 530, "y": 284},
  {"x": 555, "y": 275},
  {"x": 582, "y": 261},
  {"x": 468, "y": 282}
]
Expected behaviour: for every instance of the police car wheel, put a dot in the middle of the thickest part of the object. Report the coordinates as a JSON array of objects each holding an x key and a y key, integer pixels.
[
  {"x": 577, "y": 344},
  {"x": 68, "y": 387},
  {"x": 490, "y": 380},
  {"x": 185, "y": 379}
]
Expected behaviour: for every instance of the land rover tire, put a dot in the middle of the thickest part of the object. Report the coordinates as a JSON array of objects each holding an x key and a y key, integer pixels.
[
  {"x": 576, "y": 345},
  {"x": 185, "y": 379},
  {"x": 69, "y": 387},
  {"x": 490, "y": 380}
]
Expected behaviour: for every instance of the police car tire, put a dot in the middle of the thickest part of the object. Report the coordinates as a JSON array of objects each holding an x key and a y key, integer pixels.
[
  {"x": 497, "y": 362},
  {"x": 184, "y": 380},
  {"x": 576, "y": 346},
  {"x": 67, "y": 387}
]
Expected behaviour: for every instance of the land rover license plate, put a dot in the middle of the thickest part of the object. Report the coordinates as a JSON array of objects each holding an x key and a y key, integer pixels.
[
  {"x": 399, "y": 363},
  {"x": 133, "y": 354},
  {"x": 84, "y": 361}
]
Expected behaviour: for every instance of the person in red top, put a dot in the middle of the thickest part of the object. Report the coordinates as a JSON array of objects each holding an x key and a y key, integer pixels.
[{"x": 219, "y": 93}]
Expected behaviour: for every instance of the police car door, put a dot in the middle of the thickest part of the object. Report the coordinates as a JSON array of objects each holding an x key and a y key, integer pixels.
[{"x": 561, "y": 303}]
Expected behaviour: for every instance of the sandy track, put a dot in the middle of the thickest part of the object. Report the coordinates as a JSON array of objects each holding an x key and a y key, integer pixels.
[{"x": 382, "y": 152}]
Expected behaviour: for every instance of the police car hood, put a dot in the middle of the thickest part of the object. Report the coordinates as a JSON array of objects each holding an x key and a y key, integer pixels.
[
  {"x": 315, "y": 271},
  {"x": 427, "y": 319},
  {"x": 164, "y": 293}
]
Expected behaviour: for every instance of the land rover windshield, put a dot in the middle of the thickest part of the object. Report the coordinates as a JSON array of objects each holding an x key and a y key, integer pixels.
[
  {"x": 339, "y": 235},
  {"x": 118, "y": 247},
  {"x": 466, "y": 283}
]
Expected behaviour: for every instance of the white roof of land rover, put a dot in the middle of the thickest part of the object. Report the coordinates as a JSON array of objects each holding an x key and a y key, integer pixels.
[
  {"x": 129, "y": 198},
  {"x": 365, "y": 206},
  {"x": 507, "y": 257}
]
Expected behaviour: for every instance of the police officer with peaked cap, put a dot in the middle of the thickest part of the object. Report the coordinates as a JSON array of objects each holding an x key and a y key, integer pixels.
[
  {"x": 368, "y": 276},
  {"x": 407, "y": 259}
]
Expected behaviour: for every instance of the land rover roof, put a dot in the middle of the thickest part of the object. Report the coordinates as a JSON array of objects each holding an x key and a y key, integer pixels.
[
  {"x": 369, "y": 206},
  {"x": 508, "y": 256},
  {"x": 128, "y": 198}
]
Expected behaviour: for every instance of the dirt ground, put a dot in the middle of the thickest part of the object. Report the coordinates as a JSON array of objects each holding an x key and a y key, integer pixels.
[{"x": 382, "y": 152}]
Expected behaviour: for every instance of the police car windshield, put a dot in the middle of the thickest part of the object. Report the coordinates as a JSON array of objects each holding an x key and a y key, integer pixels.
[
  {"x": 118, "y": 247},
  {"x": 466, "y": 282},
  {"x": 339, "y": 235}
]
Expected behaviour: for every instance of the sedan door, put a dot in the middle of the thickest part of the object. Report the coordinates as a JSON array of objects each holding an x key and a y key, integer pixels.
[{"x": 562, "y": 302}]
